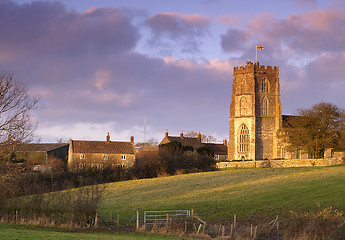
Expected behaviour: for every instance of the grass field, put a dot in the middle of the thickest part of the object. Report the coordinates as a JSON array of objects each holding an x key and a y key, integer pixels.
[
  {"x": 10, "y": 232},
  {"x": 218, "y": 195}
]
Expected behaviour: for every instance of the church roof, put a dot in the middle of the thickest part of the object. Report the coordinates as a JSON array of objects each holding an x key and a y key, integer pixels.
[{"x": 286, "y": 120}]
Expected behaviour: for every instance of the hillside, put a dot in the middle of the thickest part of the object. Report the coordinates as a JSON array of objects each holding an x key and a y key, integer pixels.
[{"x": 218, "y": 195}]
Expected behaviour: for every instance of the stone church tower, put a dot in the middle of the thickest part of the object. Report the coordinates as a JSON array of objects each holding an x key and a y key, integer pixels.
[{"x": 255, "y": 113}]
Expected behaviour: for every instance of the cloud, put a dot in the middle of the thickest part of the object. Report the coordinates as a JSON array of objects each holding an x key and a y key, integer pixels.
[
  {"x": 234, "y": 40},
  {"x": 48, "y": 28},
  {"x": 167, "y": 28},
  {"x": 227, "y": 20},
  {"x": 327, "y": 69},
  {"x": 178, "y": 25},
  {"x": 306, "y": 33},
  {"x": 306, "y": 3}
]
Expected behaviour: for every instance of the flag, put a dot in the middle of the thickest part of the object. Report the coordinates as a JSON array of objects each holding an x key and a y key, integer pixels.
[{"x": 259, "y": 47}]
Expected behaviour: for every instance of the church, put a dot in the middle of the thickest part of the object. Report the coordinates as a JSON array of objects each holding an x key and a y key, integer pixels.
[
  {"x": 256, "y": 121},
  {"x": 255, "y": 114}
]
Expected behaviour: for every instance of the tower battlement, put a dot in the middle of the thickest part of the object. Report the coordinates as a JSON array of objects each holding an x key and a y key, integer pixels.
[{"x": 250, "y": 67}]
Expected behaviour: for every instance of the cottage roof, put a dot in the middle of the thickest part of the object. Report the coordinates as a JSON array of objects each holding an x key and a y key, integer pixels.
[
  {"x": 185, "y": 141},
  {"x": 105, "y": 147},
  {"x": 38, "y": 147},
  {"x": 218, "y": 148}
]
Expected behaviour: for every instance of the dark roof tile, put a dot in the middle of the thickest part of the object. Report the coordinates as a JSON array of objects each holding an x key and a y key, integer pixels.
[
  {"x": 38, "y": 147},
  {"x": 187, "y": 141},
  {"x": 102, "y": 147},
  {"x": 218, "y": 148}
]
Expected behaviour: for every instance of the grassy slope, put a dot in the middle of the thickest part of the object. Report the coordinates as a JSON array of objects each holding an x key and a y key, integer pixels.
[
  {"x": 219, "y": 195},
  {"x": 32, "y": 232}
]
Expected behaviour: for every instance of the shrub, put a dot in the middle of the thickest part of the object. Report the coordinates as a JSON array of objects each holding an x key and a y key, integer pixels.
[
  {"x": 328, "y": 223},
  {"x": 148, "y": 165}
]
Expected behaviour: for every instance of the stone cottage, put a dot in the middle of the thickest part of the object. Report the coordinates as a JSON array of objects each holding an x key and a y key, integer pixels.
[
  {"x": 220, "y": 150},
  {"x": 40, "y": 153},
  {"x": 100, "y": 154}
]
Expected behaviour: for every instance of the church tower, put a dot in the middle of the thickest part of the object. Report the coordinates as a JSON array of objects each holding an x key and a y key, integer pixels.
[{"x": 255, "y": 113}]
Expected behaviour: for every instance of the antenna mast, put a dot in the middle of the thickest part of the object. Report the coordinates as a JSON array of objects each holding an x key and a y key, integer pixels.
[{"x": 145, "y": 128}]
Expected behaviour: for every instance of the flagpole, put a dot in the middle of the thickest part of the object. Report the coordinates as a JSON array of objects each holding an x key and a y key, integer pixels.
[{"x": 256, "y": 53}]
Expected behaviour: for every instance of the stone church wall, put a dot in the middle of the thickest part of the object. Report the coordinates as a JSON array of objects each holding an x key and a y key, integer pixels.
[{"x": 282, "y": 163}]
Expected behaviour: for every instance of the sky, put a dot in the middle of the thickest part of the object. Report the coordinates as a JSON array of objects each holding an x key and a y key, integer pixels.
[{"x": 107, "y": 65}]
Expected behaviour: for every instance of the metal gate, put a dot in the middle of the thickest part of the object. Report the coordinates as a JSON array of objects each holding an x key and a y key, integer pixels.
[{"x": 161, "y": 217}]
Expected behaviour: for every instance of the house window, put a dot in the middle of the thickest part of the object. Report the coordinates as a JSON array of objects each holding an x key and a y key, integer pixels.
[
  {"x": 264, "y": 87},
  {"x": 105, "y": 157},
  {"x": 82, "y": 156},
  {"x": 264, "y": 106},
  {"x": 123, "y": 157},
  {"x": 81, "y": 165},
  {"x": 244, "y": 139},
  {"x": 216, "y": 156}
]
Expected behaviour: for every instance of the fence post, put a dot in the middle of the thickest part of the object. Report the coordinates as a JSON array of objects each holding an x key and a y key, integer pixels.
[
  {"x": 234, "y": 220},
  {"x": 137, "y": 218},
  {"x": 96, "y": 218},
  {"x": 16, "y": 216},
  {"x": 118, "y": 219}
]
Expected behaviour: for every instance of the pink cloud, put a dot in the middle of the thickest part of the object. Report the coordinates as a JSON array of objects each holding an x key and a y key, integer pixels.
[
  {"x": 306, "y": 3},
  {"x": 102, "y": 77},
  {"x": 304, "y": 33},
  {"x": 227, "y": 20},
  {"x": 261, "y": 22}
]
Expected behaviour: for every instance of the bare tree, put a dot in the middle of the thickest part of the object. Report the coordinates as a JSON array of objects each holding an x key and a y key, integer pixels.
[
  {"x": 149, "y": 143},
  {"x": 16, "y": 105},
  {"x": 63, "y": 140},
  {"x": 204, "y": 138}
]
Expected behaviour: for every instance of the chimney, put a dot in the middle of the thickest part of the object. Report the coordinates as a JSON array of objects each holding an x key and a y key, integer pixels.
[
  {"x": 166, "y": 133},
  {"x": 108, "y": 137},
  {"x": 181, "y": 134},
  {"x": 225, "y": 142},
  {"x": 198, "y": 136},
  {"x": 132, "y": 139}
]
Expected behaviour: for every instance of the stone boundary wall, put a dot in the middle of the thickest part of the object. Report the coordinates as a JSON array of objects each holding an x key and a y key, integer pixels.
[{"x": 281, "y": 163}]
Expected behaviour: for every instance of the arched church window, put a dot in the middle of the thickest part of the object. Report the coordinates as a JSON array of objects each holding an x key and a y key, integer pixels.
[
  {"x": 264, "y": 87},
  {"x": 244, "y": 140},
  {"x": 243, "y": 106},
  {"x": 264, "y": 106}
]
